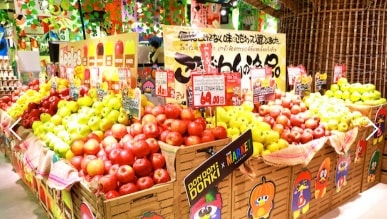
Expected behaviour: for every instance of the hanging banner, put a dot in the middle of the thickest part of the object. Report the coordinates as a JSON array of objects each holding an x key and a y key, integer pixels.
[{"x": 231, "y": 51}]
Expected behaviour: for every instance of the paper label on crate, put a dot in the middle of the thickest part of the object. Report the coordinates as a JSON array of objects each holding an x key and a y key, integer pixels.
[
  {"x": 322, "y": 178},
  {"x": 301, "y": 193},
  {"x": 264, "y": 194},
  {"x": 211, "y": 172},
  {"x": 341, "y": 174},
  {"x": 380, "y": 119},
  {"x": 360, "y": 150}
]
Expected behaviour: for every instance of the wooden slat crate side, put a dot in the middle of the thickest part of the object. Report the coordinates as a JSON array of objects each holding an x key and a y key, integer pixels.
[
  {"x": 384, "y": 162},
  {"x": 243, "y": 184},
  {"x": 157, "y": 199},
  {"x": 354, "y": 180},
  {"x": 183, "y": 160},
  {"x": 371, "y": 148},
  {"x": 383, "y": 178},
  {"x": 81, "y": 194},
  {"x": 320, "y": 206}
]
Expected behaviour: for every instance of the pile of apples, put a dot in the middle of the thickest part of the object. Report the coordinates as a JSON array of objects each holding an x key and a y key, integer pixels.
[
  {"x": 119, "y": 162},
  {"x": 357, "y": 93},
  {"x": 288, "y": 115},
  {"x": 334, "y": 113},
  {"x": 238, "y": 119}
]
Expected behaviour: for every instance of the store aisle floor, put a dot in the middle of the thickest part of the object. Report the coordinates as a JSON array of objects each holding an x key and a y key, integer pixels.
[{"x": 16, "y": 200}]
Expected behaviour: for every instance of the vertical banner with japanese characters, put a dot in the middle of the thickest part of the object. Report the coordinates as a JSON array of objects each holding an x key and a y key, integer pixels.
[{"x": 231, "y": 51}]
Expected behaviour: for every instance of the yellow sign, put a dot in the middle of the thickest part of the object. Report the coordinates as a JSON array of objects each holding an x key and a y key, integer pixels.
[
  {"x": 105, "y": 57},
  {"x": 190, "y": 50}
]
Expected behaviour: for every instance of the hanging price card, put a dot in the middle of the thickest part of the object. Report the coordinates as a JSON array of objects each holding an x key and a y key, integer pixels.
[
  {"x": 293, "y": 73},
  {"x": 208, "y": 90},
  {"x": 320, "y": 82},
  {"x": 233, "y": 88},
  {"x": 132, "y": 104},
  {"x": 164, "y": 83}
]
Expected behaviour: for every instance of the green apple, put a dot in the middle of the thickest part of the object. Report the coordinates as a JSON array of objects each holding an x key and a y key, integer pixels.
[
  {"x": 366, "y": 96},
  {"x": 62, "y": 103},
  {"x": 332, "y": 124},
  {"x": 64, "y": 135},
  {"x": 334, "y": 87},
  {"x": 369, "y": 87},
  {"x": 36, "y": 124},
  {"x": 113, "y": 115},
  {"x": 72, "y": 105},
  {"x": 92, "y": 93},
  {"x": 338, "y": 94},
  {"x": 329, "y": 93},
  {"x": 345, "y": 95},
  {"x": 342, "y": 127},
  {"x": 115, "y": 103},
  {"x": 273, "y": 147},
  {"x": 376, "y": 95},
  {"x": 105, "y": 124},
  {"x": 282, "y": 143},
  {"x": 45, "y": 117},
  {"x": 221, "y": 115},
  {"x": 271, "y": 136},
  {"x": 93, "y": 123},
  {"x": 265, "y": 152},
  {"x": 85, "y": 101},
  {"x": 64, "y": 111},
  {"x": 123, "y": 118},
  {"x": 231, "y": 131},
  {"x": 56, "y": 119},
  {"x": 105, "y": 112},
  {"x": 83, "y": 130},
  {"x": 258, "y": 134},
  {"x": 48, "y": 126},
  {"x": 355, "y": 96},
  {"x": 257, "y": 148},
  {"x": 342, "y": 81},
  {"x": 58, "y": 128},
  {"x": 237, "y": 122}
]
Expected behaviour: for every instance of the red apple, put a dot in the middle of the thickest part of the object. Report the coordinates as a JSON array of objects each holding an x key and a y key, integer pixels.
[
  {"x": 195, "y": 128},
  {"x": 178, "y": 125},
  {"x": 148, "y": 118},
  {"x": 318, "y": 132},
  {"x": 108, "y": 140},
  {"x": 125, "y": 173},
  {"x": 311, "y": 123},
  {"x": 118, "y": 130},
  {"x": 76, "y": 161},
  {"x": 296, "y": 120},
  {"x": 275, "y": 111},
  {"x": 113, "y": 169},
  {"x": 207, "y": 136},
  {"x": 135, "y": 128},
  {"x": 286, "y": 102},
  {"x": 306, "y": 137},
  {"x": 161, "y": 176},
  {"x": 263, "y": 110},
  {"x": 160, "y": 118},
  {"x": 86, "y": 159},
  {"x": 144, "y": 182},
  {"x": 95, "y": 167},
  {"x": 77, "y": 147},
  {"x": 157, "y": 160},
  {"x": 91, "y": 147},
  {"x": 140, "y": 148},
  {"x": 159, "y": 109},
  {"x": 174, "y": 138},
  {"x": 107, "y": 182},
  {"x": 283, "y": 120},
  {"x": 192, "y": 140},
  {"x": 187, "y": 114},
  {"x": 219, "y": 132},
  {"x": 139, "y": 137},
  {"x": 153, "y": 145},
  {"x": 142, "y": 166},
  {"x": 125, "y": 157},
  {"x": 151, "y": 130},
  {"x": 163, "y": 135},
  {"x": 111, "y": 194},
  {"x": 172, "y": 111},
  {"x": 127, "y": 188},
  {"x": 296, "y": 109}
]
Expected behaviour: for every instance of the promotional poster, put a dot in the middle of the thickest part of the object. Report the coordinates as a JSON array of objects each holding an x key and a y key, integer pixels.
[{"x": 203, "y": 50}]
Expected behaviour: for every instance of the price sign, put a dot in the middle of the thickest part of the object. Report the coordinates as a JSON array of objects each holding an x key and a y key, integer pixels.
[
  {"x": 132, "y": 104},
  {"x": 164, "y": 83},
  {"x": 293, "y": 73},
  {"x": 124, "y": 76},
  {"x": 208, "y": 90},
  {"x": 74, "y": 91},
  {"x": 320, "y": 81},
  {"x": 339, "y": 72}
]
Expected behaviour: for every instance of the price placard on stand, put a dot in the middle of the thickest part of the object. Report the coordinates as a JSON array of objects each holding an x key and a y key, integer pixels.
[
  {"x": 132, "y": 103},
  {"x": 263, "y": 85},
  {"x": 164, "y": 83},
  {"x": 294, "y": 72},
  {"x": 208, "y": 90},
  {"x": 320, "y": 81},
  {"x": 340, "y": 71}
]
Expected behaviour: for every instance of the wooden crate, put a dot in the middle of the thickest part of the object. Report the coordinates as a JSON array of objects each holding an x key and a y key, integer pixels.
[
  {"x": 355, "y": 173},
  {"x": 182, "y": 161},
  {"x": 158, "y": 199},
  {"x": 368, "y": 182},
  {"x": 243, "y": 185},
  {"x": 319, "y": 206},
  {"x": 383, "y": 178},
  {"x": 384, "y": 162}
]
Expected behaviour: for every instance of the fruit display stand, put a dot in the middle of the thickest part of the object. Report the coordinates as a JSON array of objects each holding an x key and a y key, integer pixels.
[
  {"x": 258, "y": 176},
  {"x": 182, "y": 161},
  {"x": 383, "y": 177},
  {"x": 353, "y": 180},
  {"x": 372, "y": 168},
  {"x": 158, "y": 199}
]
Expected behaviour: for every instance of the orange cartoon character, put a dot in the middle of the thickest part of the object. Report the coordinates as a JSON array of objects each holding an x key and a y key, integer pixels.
[
  {"x": 261, "y": 200},
  {"x": 322, "y": 178}
]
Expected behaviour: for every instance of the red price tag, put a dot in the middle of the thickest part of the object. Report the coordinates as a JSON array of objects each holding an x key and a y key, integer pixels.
[{"x": 208, "y": 90}]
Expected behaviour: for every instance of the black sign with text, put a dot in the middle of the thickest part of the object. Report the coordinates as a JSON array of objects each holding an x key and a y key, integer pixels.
[{"x": 218, "y": 166}]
